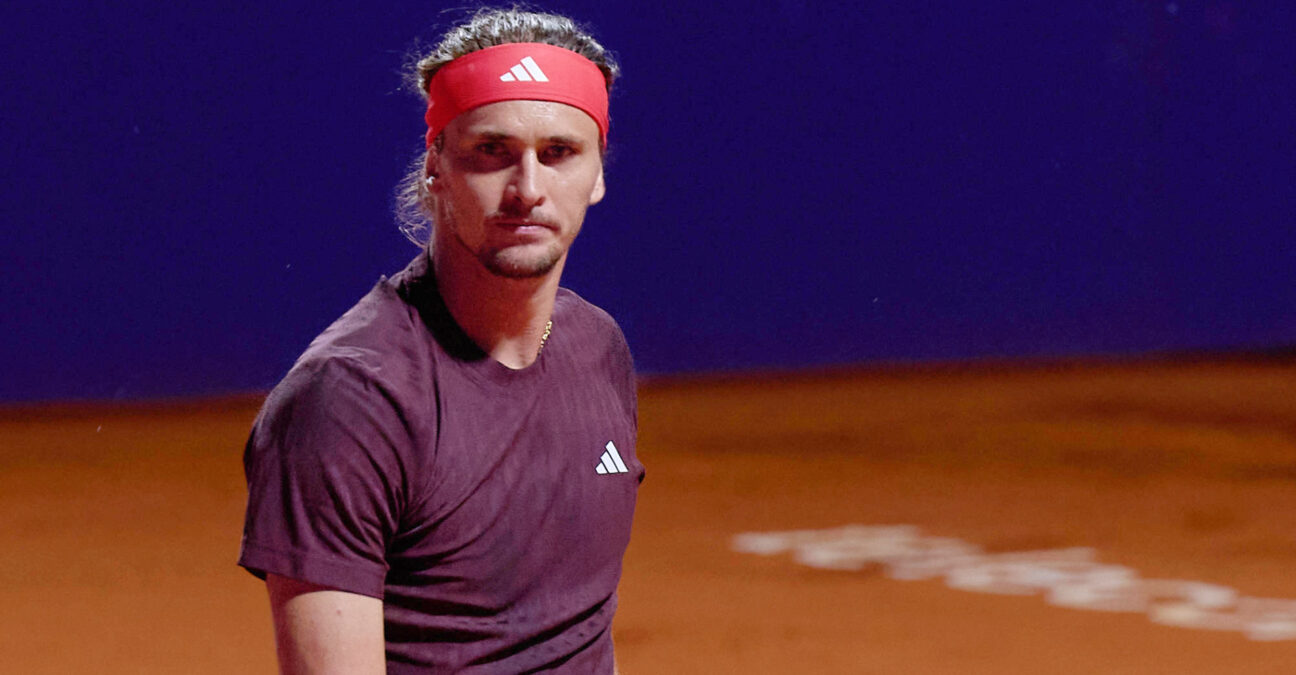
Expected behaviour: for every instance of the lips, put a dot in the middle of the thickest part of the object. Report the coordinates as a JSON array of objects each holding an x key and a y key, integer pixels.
[{"x": 523, "y": 224}]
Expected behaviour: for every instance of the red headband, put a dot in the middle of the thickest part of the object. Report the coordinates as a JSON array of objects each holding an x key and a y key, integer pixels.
[{"x": 526, "y": 71}]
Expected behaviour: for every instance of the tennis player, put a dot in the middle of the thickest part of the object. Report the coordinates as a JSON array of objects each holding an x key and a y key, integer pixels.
[{"x": 445, "y": 480}]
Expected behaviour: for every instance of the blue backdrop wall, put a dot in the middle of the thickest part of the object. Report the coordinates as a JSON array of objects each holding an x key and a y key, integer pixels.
[{"x": 193, "y": 191}]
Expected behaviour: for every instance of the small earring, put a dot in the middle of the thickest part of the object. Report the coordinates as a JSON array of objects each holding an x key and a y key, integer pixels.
[{"x": 429, "y": 181}]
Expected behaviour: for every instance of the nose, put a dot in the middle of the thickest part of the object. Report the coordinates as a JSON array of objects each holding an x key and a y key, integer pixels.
[{"x": 524, "y": 189}]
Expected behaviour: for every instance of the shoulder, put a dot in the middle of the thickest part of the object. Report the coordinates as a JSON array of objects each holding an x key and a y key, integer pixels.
[
  {"x": 589, "y": 320},
  {"x": 339, "y": 427},
  {"x": 380, "y": 342},
  {"x": 592, "y": 332},
  {"x": 371, "y": 366},
  {"x": 336, "y": 410},
  {"x": 595, "y": 341},
  {"x": 381, "y": 326}
]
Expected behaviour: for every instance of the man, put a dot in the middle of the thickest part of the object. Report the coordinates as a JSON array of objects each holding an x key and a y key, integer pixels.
[{"x": 445, "y": 480}]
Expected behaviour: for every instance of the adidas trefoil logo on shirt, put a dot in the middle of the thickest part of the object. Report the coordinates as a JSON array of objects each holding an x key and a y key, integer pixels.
[
  {"x": 525, "y": 71},
  {"x": 611, "y": 461}
]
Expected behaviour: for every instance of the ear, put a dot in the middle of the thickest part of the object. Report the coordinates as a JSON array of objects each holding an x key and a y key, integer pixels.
[
  {"x": 596, "y": 195},
  {"x": 432, "y": 165}
]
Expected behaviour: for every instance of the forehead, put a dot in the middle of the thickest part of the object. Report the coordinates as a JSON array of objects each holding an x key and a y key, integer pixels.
[{"x": 526, "y": 120}]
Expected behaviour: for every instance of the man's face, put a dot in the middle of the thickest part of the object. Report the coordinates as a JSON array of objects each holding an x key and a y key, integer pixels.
[{"x": 513, "y": 180}]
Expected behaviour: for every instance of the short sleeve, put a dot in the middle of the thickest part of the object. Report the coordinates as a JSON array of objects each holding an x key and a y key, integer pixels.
[{"x": 325, "y": 479}]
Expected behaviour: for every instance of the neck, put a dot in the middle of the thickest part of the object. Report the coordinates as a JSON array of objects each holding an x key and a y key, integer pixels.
[{"x": 505, "y": 317}]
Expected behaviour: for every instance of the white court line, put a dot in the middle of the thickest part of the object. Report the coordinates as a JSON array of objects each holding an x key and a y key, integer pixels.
[{"x": 1070, "y": 577}]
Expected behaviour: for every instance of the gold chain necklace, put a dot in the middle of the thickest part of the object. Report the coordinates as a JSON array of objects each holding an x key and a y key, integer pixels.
[{"x": 548, "y": 327}]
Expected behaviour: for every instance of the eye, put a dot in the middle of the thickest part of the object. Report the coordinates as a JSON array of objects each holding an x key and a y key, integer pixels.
[
  {"x": 556, "y": 153},
  {"x": 491, "y": 148}
]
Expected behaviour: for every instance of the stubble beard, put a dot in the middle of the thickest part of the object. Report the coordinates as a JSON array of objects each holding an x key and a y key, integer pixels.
[
  {"x": 511, "y": 263},
  {"x": 507, "y": 262}
]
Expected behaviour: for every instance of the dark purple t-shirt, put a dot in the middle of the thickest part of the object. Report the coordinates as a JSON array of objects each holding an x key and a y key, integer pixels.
[{"x": 489, "y": 508}]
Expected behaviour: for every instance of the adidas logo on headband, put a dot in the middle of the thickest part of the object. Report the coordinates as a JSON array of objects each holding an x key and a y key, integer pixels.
[{"x": 525, "y": 71}]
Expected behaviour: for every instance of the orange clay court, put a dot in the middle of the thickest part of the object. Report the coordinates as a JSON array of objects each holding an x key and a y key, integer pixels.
[{"x": 121, "y": 523}]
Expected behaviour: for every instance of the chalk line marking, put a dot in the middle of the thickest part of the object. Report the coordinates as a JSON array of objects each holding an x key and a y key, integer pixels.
[{"x": 1069, "y": 577}]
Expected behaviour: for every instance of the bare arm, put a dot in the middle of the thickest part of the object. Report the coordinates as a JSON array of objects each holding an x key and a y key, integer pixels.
[{"x": 321, "y": 631}]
